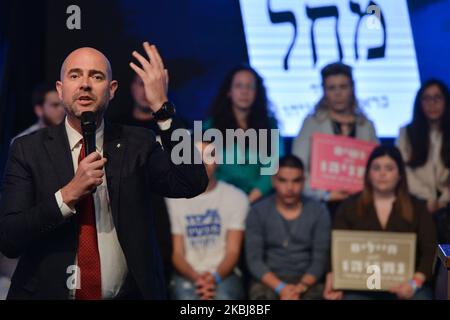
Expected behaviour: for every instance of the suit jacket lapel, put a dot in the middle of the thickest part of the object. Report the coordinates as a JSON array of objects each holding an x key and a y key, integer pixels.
[
  {"x": 58, "y": 149},
  {"x": 113, "y": 150}
]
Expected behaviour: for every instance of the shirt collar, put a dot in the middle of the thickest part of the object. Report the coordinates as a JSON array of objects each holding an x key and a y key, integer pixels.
[{"x": 75, "y": 137}]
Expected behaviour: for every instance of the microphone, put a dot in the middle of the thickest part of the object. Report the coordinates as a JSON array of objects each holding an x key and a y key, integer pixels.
[{"x": 88, "y": 127}]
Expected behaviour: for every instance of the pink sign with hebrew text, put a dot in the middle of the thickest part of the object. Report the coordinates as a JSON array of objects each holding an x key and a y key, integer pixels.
[{"x": 338, "y": 163}]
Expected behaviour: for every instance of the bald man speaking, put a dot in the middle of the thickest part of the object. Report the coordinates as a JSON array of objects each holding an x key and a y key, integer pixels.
[{"x": 75, "y": 207}]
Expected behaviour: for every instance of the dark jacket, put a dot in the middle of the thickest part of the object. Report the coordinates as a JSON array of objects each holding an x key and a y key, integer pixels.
[
  {"x": 442, "y": 220},
  {"x": 422, "y": 225},
  {"x": 32, "y": 226}
]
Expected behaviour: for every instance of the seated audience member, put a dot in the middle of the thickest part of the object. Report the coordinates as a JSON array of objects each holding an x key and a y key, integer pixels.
[
  {"x": 287, "y": 239},
  {"x": 425, "y": 145},
  {"x": 207, "y": 234},
  {"x": 241, "y": 103},
  {"x": 337, "y": 113},
  {"x": 140, "y": 114},
  {"x": 386, "y": 205},
  {"x": 47, "y": 107}
]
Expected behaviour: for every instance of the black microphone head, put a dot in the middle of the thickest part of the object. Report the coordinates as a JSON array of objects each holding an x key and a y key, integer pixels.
[
  {"x": 88, "y": 121},
  {"x": 88, "y": 128}
]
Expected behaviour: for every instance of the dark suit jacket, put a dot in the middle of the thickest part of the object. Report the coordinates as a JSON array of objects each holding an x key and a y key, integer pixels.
[{"x": 32, "y": 226}]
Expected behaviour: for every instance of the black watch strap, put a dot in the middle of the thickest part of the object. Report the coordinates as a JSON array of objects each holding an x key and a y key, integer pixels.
[{"x": 166, "y": 111}]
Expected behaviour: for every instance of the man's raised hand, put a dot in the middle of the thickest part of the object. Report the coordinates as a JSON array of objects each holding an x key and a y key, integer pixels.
[{"x": 154, "y": 76}]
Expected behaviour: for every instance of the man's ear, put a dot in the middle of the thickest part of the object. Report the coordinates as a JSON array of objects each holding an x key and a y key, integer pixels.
[
  {"x": 113, "y": 85},
  {"x": 59, "y": 89},
  {"x": 38, "y": 111}
]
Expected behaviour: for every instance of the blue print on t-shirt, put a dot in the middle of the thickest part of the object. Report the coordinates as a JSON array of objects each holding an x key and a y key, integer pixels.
[{"x": 203, "y": 229}]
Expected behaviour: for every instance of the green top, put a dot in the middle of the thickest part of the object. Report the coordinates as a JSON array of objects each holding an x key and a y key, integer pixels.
[{"x": 245, "y": 175}]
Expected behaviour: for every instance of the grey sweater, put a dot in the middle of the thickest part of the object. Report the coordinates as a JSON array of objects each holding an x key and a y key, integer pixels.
[{"x": 308, "y": 238}]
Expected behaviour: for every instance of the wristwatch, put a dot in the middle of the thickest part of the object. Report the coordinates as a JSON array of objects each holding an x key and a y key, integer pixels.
[{"x": 167, "y": 111}]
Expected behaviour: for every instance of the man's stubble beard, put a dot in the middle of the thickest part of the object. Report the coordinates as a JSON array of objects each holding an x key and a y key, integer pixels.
[
  {"x": 77, "y": 113},
  {"x": 100, "y": 109}
]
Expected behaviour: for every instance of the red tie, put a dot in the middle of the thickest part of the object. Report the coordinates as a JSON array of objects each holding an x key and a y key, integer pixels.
[{"x": 88, "y": 254}]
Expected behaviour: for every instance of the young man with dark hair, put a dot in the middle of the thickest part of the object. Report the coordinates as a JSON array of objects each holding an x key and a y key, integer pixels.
[
  {"x": 287, "y": 239},
  {"x": 47, "y": 107},
  {"x": 207, "y": 236}
]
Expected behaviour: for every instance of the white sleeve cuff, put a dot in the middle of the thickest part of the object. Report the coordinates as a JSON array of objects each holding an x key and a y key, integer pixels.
[
  {"x": 66, "y": 211},
  {"x": 165, "y": 125}
]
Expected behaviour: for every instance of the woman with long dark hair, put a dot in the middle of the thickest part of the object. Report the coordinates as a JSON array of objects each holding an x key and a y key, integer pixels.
[
  {"x": 386, "y": 205},
  {"x": 241, "y": 103},
  {"x": 425, "y": 145}
]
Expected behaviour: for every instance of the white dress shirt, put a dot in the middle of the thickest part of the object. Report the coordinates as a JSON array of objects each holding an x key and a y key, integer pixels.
[{"x": 112, "y": 260}]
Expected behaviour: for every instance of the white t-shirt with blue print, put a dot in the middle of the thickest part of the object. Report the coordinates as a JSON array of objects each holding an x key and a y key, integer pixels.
[{"x": 204, "y": 222}]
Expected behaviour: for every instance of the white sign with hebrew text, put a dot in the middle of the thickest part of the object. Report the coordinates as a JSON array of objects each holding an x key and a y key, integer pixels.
[{"x": 289, "y": 41}]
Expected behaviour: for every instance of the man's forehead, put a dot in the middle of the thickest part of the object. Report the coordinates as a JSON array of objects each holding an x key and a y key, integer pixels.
[
  {"x": 86, "y": 59},
  {"x": 290, "y": 172}
]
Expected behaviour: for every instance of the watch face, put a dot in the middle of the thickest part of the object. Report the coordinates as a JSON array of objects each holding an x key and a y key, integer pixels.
[
  {"x": 167, "y": 111},
  {"x": 169, "y": 108}
]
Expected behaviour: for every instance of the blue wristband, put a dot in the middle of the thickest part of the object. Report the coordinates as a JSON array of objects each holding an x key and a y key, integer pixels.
[
  {"x": 280, "y": 287},
  {"x": 217, "y": 277},
  {"x": 413, "y": 283}
]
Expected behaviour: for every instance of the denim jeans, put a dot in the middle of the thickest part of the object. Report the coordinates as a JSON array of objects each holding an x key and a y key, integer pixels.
[{"x": 229, "y": 288}]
